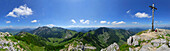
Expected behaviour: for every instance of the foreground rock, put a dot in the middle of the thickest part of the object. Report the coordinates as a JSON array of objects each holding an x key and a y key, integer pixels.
[
  {"x": 112, "y": 47},
  {"x": 150, "y": 41},
  {"x": 78, "y": 46},
  {"x": 6, "y": 44}
]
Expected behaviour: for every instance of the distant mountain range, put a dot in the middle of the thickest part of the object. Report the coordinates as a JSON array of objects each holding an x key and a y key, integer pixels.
[
  {"x": 84, "y": 30},
  {"x": 15, "y": 31},
  {"x": 102, "y": 37},
  {"x": 77, "y": 29},
  {"x": 55, "y": 32},
  {"x": 55, "y": 37}
]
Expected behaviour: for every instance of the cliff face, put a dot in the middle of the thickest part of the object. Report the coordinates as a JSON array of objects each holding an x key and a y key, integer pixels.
[{"x": 146, "y": 41}]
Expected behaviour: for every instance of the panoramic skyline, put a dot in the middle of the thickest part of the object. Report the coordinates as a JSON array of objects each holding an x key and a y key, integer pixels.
[{"x": 82, "y": 13}]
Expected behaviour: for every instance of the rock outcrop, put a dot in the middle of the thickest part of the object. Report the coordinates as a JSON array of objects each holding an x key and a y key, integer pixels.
[
  {"x": 150, "y": 41},
  {"x": 7, "y": 45},
  {"x": 133, "y": 40},
  {"x": 112, "y": 47},
  {"x": 145, "y": 41}
]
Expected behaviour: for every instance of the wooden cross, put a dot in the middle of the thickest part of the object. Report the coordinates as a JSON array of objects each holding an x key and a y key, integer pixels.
[{"x": 153, "y": 9}]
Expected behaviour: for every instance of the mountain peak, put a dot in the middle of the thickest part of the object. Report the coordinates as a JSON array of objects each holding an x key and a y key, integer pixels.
[{"x": 150, "y": 40}]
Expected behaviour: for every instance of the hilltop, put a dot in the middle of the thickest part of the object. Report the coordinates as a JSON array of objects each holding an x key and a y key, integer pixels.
[
  {"x": 54, "y": 32},
  {"x": 146, "y": 41}
]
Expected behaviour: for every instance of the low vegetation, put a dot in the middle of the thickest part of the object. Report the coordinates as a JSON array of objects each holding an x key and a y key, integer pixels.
[
  {"x": 94, "y": 38},
  {"x": 141, "y": 32}
]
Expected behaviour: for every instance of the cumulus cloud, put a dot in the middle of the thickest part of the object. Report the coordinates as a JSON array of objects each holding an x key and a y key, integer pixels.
[
  {"x": 12, "y": 14},
  {"x": 73, "y": 21},
  {"x": 135, "y": 23},
  {"x": 8, "y": 22},
  {"x": 114, "y": 22},
  {"x": 102, "y": 22},
  {"x": 128, "y": 11},
  {"x": 34, "y": 21},
  {"x": 108, "y": 22},
  {"x": 23, "y": 10},
  {"x": 50, "y": 25},
  {"x": 84, "y": 21},
  {"x": 121, "y": 22},
  {"x": 142, "y": 15}
]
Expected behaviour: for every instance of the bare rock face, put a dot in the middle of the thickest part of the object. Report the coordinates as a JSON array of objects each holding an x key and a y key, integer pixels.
[
  {"x": 3, "y": 42},
  {"x": 112, "y": 47},
  {"x": 130, "y": 49},
  {"x": 169, "y": 43},
  {"x": 146, "y": 48},
  {"x": 157, "y": 42},
  {"x": 150, "y": 41},
  {"x": 164, "y": 47},
  {"x": 129, "y": 41},
  {"x": 133, "y": 40}
]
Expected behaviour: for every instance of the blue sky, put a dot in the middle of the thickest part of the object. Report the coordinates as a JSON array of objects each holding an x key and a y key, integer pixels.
[{"x": 82, "y": 13}]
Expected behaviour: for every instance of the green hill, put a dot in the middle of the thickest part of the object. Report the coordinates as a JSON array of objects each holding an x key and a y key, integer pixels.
[
  {"x": 54, "y": 32},
  {"x": 102, "y": 37},
  {"x": 34, "y": 40},
  {"x": 54, "y": 40}
]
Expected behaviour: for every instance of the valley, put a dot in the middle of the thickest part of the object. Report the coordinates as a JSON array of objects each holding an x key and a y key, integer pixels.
[{"x": 56, "y": 38}]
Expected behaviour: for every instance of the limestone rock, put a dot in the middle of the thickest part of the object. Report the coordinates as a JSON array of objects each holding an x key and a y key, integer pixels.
[
  {"x": 112, "y": 47},
  {"x": 146, "y": 47},
  {"x": 164, "y": 47},
  {"x": 133, "y": 40}
]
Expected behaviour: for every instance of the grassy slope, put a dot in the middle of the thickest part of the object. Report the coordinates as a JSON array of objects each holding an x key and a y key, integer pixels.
[
  {"x": 24, "y": 45},
  {"x": 93, "y": 38}
]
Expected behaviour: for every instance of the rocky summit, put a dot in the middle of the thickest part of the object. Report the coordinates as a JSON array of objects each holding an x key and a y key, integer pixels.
[
  {"x": 8, "y": 44},
  {"x": 147, "y": 40}
]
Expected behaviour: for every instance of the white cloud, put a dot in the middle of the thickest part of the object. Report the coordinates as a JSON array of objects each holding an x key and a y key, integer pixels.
[
  {"x": 34, "y": 21},
  {"x": 128, "y": 11},
  {"x": 108, "y": 22},
  {"x": 84, "y": 21},
  {"x": 50, "y": 25},
  {"x": 102, "y": 22},
  {"x": 142, "y": 15},
  {"x": 135, "y": 23},
  {"x": 73, "y": 21},
  {"x": 23, "y": 10},
  {"x": 12, "y": 14},
  {"x": 121, "y": 22},
  {"x": 114, "y": 22},
  {"x": 8, "y": 22},
  {"x": 18, "y": 20}
]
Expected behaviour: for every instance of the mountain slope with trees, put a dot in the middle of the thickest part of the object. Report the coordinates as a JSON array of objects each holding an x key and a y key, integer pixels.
[{"x": 54, "y": 32}]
